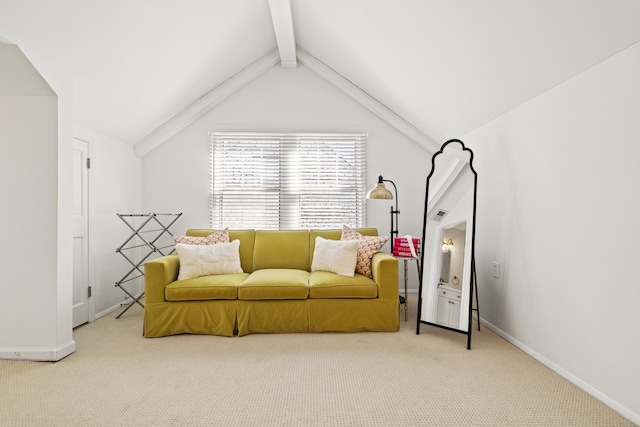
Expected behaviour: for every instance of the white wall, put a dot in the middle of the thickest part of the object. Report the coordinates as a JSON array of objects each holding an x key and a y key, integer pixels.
[
  {"x": 175, "y": 176},
  {"x": 35, "y": 183},
  {"x": 558, "y": 204},
  {"x": 114, "y": 187}
]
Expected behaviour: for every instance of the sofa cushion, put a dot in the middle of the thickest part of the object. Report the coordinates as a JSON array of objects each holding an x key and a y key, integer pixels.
[
  {"x": 287, "y": 249},
  {"x": 275, "y": 283},
  {"x": 323, "y": 284},
  {"x": 223, "y": 286}
]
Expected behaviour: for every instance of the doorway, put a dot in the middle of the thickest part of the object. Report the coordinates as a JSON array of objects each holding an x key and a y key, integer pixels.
[{"x": 81, "y": 289}]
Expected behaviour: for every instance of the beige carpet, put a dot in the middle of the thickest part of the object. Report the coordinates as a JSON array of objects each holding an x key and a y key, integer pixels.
[{"x": 118, "y": 378}]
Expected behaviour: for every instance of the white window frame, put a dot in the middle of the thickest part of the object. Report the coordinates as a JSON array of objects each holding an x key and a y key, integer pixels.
[{"x": 287, "y": 180}]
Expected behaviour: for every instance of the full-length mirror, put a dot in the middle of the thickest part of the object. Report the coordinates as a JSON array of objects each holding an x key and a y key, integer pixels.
[{"x": 447, "y": 279}]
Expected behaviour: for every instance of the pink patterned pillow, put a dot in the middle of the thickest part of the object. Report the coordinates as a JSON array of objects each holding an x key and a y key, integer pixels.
[
  {"x": 220, "y": 236},
  {"x": 369, "y": 246}
]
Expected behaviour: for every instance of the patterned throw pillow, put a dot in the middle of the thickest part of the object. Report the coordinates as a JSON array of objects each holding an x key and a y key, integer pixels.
[
  {"x": 220, "y": 236},
  {"x": 369, "y": 246}
]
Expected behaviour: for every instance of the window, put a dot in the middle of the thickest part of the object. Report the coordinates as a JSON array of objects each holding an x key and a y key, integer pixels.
[{"x": 287, "y": 181}]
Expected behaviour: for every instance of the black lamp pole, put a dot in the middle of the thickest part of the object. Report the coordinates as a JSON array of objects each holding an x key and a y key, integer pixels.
[{"x": 394, "y": 212}]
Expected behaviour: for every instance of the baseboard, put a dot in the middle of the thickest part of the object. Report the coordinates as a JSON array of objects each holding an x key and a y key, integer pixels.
[
  {"x": 38, "y": 354},
  {"x": 113, "y": 308},
  {"x": 622, "y": 410}
]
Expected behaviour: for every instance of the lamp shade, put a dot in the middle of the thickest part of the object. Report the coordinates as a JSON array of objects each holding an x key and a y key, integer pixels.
[{"x": 379, "y": 191}]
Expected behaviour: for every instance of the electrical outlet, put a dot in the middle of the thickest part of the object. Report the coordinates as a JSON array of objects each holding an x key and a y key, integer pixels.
[{"x": 496, "y": 269}]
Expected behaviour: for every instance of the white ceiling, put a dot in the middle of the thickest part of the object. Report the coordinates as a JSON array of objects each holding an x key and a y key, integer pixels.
[{"x": 444, "y": 66}]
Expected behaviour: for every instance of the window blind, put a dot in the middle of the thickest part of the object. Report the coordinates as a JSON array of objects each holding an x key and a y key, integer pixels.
[{"x": 287, "y": 181}]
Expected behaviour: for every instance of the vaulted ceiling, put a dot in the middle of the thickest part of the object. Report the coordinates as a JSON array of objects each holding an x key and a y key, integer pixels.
[{"x": 446, "y": 67}]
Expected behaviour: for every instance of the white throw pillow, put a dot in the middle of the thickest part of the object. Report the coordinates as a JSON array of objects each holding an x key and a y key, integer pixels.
[
  {"x": 335, "y": 256},
  {"x": 205, "y": 260}
]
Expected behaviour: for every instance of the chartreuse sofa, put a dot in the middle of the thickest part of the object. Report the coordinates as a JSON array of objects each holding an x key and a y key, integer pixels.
[{"x": 273, "y": 290}]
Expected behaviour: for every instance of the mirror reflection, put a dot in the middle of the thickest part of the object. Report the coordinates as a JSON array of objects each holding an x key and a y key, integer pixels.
[{"x": 449, "y": 292}]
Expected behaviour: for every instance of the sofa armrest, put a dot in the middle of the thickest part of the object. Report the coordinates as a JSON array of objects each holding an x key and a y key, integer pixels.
[
  {"x": 385, "y": 273},
  {"x": 158, "y": 273}
]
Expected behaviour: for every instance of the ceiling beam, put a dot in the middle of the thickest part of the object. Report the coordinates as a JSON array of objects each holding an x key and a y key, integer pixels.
[
  {"x": 283, "y": 27},
  {"x": 205, "y": 104},
  {"x": 367, "y": 101}
]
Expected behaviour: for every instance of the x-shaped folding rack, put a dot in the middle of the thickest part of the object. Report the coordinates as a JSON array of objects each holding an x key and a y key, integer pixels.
[{"x": 150, "y": 245}]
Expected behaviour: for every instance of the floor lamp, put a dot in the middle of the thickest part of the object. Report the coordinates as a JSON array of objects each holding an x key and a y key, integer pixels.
[{"x": 381, "y": 192}]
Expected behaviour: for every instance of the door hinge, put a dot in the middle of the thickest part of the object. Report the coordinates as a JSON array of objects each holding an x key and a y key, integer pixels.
[
  {"x": 89, "y": 292},
  {"x": 88, "y": 162}
]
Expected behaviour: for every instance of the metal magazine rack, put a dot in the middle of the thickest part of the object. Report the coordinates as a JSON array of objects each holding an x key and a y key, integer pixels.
[{"x": 150, "y": 235}]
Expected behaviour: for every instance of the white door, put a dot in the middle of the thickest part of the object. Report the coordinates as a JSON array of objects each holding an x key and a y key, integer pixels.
[{"x": 80, "y": 234}]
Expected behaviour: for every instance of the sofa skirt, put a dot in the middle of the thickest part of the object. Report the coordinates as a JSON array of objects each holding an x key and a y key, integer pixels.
[
  {"x": 353, "y": 315},
  {"x": 272, "y": 316},
  {"x": 228, "y": 317},
  {"x": 216, "y": 317}
]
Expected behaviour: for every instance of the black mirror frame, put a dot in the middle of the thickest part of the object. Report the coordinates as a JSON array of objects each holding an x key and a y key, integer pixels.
[{"x": 472, "y": 276}]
